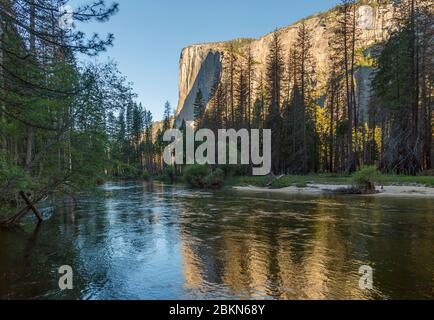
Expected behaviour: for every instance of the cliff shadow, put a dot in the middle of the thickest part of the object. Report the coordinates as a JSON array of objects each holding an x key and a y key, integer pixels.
[{"x": 210, "y": 72}]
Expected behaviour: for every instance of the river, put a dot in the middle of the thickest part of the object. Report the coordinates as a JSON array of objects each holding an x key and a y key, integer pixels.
[{"x": 139, "y": 241}]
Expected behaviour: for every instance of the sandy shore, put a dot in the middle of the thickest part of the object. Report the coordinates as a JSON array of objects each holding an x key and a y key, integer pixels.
[{"x": 312, "y": 189}]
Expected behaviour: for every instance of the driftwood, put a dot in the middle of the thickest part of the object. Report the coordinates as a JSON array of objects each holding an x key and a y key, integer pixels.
[
  {"x": 31, "y": 205},
  {"x": 16, "y": 218}
]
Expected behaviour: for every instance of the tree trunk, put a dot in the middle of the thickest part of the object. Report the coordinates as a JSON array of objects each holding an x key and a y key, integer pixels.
[
  {"x": 3, "y": 141},
  {"x": 30, "y": 134},
  {"x": 353, "y": 91},
  {"x": 348, "y": 95},
  {"x": 331, "y": 138}
]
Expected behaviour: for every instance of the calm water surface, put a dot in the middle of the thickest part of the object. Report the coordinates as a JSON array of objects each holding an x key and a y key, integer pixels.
[{"x": 136, "y": 241}]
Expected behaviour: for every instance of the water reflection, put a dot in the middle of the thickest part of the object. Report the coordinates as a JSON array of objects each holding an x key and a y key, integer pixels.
[{"x": 140, "y": 241}]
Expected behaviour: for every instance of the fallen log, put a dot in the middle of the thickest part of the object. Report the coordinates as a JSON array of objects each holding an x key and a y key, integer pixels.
[
  {"x": 14, "y": 220},
  {"x": 30, "y": 204}
]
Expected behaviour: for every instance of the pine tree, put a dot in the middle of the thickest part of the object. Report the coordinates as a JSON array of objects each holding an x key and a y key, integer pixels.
[
  {"x": 199, "y": 109},
  {"x": 167, "y": 122},
  {"x": 275, "y": 73},
  {"x": 149, "y": 158},
  {"x": 343, "y": 46},
  {"x": 304, "y": 79}
]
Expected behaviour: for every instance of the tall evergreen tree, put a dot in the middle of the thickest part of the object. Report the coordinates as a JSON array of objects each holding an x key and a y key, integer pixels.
[
  {"x": 275, "y": 72},
  {"x": 199, "y": 109}
]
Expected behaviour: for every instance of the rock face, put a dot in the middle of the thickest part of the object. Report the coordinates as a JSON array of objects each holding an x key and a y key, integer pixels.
[{"x": 201, "y": 65}]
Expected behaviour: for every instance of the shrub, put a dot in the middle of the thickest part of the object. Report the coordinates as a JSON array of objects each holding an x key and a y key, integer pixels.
[
  {"x": 195, "y": 175},
  {"x": 201, "y": 176},
  {"x": 301, "y": 185},
  {"x": 215, "y": 180},
  {"x": 128, "y": 171},
  {"x": 169, "y": 174},
  {"x": 146, "y": 176},
  {"x": 365, "y": 179}
]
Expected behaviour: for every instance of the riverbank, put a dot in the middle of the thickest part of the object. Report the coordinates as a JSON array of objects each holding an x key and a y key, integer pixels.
[
  {"x": 316, "y": 189},
  {"x": 391, "y": 185}
]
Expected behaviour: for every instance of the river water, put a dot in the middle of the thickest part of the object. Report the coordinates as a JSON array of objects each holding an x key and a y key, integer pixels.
[{"x": 140, "y": 241}]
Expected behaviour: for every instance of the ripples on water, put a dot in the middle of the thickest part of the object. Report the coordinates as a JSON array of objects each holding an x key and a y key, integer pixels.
[{"x": 162, "y": 242}]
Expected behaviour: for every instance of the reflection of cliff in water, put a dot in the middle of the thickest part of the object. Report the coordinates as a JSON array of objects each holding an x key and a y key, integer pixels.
[
  {"x": 138, "y": 241},
  {"x": 297, "y": 249}
]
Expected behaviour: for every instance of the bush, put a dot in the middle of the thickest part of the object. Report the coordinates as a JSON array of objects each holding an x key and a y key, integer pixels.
[
  {"x": 195, "y": 175},
  {"x": 169, "y": 174},
  {"x": 146, "y": 176},
  {"x": 365, "y": 179},
  {"x": 128, "y": 171},
  {"x": 202, "y": 177},
  {"x": 12, "y": 180},
  {"x": 215, "y": 180}
]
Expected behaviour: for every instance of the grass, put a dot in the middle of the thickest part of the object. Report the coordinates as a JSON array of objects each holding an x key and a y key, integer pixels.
[
  {"x": 303, "y": 181},
  {"x": 408, "y": 180}
]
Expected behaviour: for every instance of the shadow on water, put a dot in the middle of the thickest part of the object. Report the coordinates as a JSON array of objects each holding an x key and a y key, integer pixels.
[{"x": 140, "y": 241}]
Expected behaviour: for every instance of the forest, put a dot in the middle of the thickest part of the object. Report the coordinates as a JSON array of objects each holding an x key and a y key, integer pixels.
[
  {"x": 66, "y": 123},
  {"x": 320, "y": 129}
]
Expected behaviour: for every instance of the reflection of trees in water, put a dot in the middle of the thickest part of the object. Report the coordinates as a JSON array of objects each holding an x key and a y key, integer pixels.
[
  {"x": 231, "y": 245},
  {"x": 96, "y": 238},
  {"x": 127, "y": 229},
  {"x": 402, "y": 247},
  {"x": 30, "y": 263},
  {"x": 303, "y": 249}
]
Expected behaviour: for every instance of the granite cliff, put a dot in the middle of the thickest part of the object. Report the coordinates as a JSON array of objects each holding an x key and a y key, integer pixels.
[{"x": 202, "y": 64}]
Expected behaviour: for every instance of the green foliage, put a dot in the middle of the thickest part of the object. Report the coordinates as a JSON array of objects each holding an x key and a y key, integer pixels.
[
  {"x": 259, "y": 181},
  {"x": 202, "y": 177},
  {"x": 199, "y": 109},
  {"x": 391, "y": 82},
  {"x": 364, "y": 58},
  {"x": 366, "y": 177},
  {"x": 301, "y": 185},
  {"x": 396, "y": 85},
  {"x": 127, "y": 171},
  {"x": 146, "y": 176},
  {"x": 235, "y": 46},
  {"x": 214, "y": 180},
  {"x": 194, "y": 175},
  {"x": 13, "y": 179},
  {"x": 390, "y": 179},
  {"x": 169, "y": 174}
]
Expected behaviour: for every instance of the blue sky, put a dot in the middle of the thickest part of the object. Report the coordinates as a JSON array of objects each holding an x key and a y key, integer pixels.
[{"x": 150, "y": 34}]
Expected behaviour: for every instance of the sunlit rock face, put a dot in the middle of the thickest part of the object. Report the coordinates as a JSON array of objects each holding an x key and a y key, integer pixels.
[
  {"x": 200, "y": 68},
  {"x": 200, "y": 65}
]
